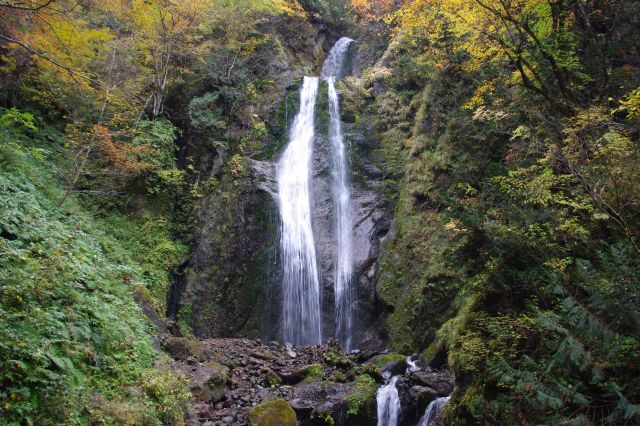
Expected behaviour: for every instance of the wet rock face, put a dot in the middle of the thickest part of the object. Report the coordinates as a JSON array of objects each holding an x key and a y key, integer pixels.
[
  {"x": 370, "y": 216},
  {"x": 233, "y": 278},
  {"x": 417, "y": 389}
]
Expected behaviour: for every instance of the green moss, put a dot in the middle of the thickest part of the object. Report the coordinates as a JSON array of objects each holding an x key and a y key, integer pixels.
[
  {"x": 384, "y": 359},
  {"x": 315, "y": 371},
  {"x": 272, "y": 413},
  {"x": 361, "y": 401},
  {"x": 325, "y": 417},
  {"x": 332, "y": 357}
]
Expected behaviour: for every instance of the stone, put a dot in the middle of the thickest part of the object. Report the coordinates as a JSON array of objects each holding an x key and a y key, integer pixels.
[
  {"x": 295, "y": 376},
  {"x": 395, "y": 367},
  {"x": 441, "y": 382},
  {"x": 338, "y": 376},
  {"x": 272, "y": 413},
  {"x": 422, "y": 395},
  {"x": 191, "y": 360},
  {"x": 207, "y": 382},
  {"x": 265, "y": 356},
  {"x": 272, "y": 379},
  {"x": 301, "y": 406},
  {"x": 182, "y": 348}
]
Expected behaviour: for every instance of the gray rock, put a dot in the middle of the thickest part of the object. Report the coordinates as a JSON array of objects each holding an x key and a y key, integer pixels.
[
  {"x": 395, "y": 367},
  {"x": 441, "y": 382}
]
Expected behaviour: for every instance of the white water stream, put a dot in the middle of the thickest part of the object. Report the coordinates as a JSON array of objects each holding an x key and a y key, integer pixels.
[
  {"x": 301, "y": 284},
  {"x": 388, "y": 403},
  {"x": 334, "y": 67},
  {"x": 434, "y": 409}
]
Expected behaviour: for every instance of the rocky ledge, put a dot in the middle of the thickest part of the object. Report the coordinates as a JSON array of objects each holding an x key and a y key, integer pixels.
[{"x": 242, "y": 382}]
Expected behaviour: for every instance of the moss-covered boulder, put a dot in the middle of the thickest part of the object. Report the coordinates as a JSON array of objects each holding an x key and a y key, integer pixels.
[
  {"x": 208, "y": 381},
  {"x": 313, "y": 371},
  {"x": 272, "y": 413},
  {"x": 361, "y": 401},
  {"x": 392, "y": 363},
  {"x": 219, "y": 379},
  {"x": 181, "y": 348}
]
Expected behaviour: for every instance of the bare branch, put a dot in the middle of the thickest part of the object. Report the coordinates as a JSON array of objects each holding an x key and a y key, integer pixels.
[{"x": 21, "y": 6}]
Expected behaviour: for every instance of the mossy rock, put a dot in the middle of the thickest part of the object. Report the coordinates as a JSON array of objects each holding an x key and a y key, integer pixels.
[
  {"x": 308, "y": 373},
  {"x": 338, "y": 376},
  {"x": 331, "y": 357},
  {"x": 220, "y": 373},
  {"x": 361, "y": 402},
  {"x": 181, "y": 348},
  {"x": 371, "y": 370},
  {"x": 383, "y": 360},
  {"x": 272, "y": 379},
  {"x": 272, "y": 413}
]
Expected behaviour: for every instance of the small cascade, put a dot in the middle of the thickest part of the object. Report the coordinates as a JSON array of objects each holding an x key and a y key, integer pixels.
[
  {"x": 412, "y": 367},
  {"x": 335, "y": 67},
  {"x": 434, "y": 409},
  {"x": 301, "y": 284},
  {"x": 388, "y": 403}
]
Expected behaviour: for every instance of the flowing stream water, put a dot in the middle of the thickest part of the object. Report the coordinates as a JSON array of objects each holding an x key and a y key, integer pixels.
[
  {"x": 388, "y": 403},
  {"x": 301, "y": 284},
  {"x": 433, "y": 410},
  {"x": 335, "y": 67}
]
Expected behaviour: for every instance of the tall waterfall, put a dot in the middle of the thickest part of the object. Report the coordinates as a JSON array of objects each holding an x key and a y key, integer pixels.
[
  {"x": 301, "y": 284},
  {"x": 388, "y": 403},
  {"x": 335, "y": 67}
]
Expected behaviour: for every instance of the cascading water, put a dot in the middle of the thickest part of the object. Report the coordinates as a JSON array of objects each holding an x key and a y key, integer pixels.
[
  {"x": 301, "y": 284},
  {"x": 335, "y": 67},
  {"x": 434, "y": 409},
  {"x": 388, "y": 403}
]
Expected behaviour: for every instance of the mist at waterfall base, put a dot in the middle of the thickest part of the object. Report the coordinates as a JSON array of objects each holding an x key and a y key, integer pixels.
[{"x": 301, "y": 284}]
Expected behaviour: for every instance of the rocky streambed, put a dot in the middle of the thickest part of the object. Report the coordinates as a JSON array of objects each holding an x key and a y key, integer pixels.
[{"x": 242, "y": 381}]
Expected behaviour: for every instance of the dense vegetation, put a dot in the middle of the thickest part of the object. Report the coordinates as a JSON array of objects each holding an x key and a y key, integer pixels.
[
  {"x": 99, "y": 101},
  {"x": 507, "y": 132},
  {"x": 517, "y": 127}
]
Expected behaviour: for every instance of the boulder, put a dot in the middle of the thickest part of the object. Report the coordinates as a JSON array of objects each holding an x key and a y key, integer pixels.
[
  {"x": 440, "y": 381},
  {"x": 395, "y": 367},
  {"x": 272, "y": 413},
  {"x": 272, "y": 379},
  {"x": 182, "y": 349},
  {"x": 207, "y": 382},
  {"x": 296, "y": 376},
  {"x": 392, "y": 363}
]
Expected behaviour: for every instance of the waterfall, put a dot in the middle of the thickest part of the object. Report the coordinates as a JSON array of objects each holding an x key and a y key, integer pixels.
[
  {"x": 434, "y": 409},
  {"x": 412, "y": 367},
  {"x": 335, "y": 67},
  {"x": 301, "y": 284},
  {"x": 388, "y": 403}
]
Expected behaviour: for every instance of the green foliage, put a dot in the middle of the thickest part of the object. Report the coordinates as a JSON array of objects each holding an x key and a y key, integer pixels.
[
  {"x": 13, "y": 118},
  {"x": 515, "y": 245},
  {"x": 70, "y": 331}
]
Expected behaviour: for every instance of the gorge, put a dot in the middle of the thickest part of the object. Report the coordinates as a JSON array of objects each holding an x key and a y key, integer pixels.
[{"x": 319, "y": 212}]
